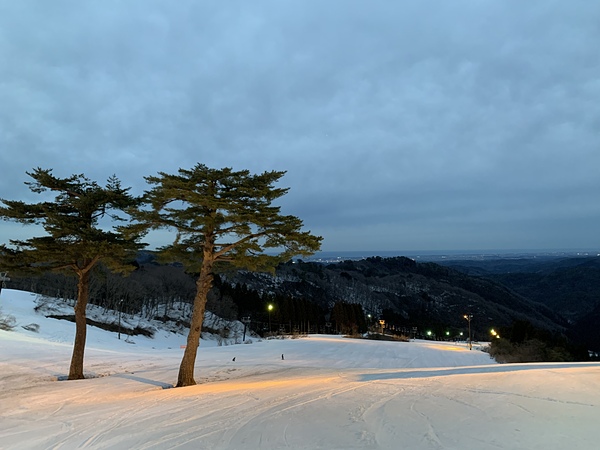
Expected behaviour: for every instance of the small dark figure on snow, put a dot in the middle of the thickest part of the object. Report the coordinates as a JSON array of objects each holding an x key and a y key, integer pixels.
[{"x": 282, "y": 358}]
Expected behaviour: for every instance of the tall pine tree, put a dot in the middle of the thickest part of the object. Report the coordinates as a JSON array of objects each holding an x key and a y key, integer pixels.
[
  {"x": 221, "y": 217},
  {"x": 74, "y": 242}
]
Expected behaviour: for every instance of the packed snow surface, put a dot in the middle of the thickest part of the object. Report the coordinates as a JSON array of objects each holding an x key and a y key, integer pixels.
[{"x": 319, "y": 392}]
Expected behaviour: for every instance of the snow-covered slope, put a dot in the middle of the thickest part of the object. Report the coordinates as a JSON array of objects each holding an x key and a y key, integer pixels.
[{"x": 326, "y": 392}]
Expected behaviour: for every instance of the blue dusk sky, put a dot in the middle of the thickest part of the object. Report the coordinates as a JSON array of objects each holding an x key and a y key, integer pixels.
[{"x": 402, "y": 125}]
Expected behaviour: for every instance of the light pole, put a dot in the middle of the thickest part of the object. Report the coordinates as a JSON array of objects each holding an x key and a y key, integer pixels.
[
  {"x": 3, "y": 279},
  {"x": 245, "y": 321},
  {"x": 270, "y": 308},
  {"x": 469, "y": 317},
  {"x": 120, "y": 309}
]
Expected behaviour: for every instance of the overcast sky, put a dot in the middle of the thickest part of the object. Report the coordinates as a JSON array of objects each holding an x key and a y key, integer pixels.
[{"x": 402, "y": 125}]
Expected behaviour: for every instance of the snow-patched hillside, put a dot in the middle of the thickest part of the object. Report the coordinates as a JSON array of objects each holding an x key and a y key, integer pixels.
[{"x": 327, "y": 393}]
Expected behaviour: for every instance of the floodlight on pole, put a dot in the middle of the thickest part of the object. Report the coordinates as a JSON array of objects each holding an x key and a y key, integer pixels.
[
  {"x": 270, "y": 308},
  {"x": 468, "y": 317}
]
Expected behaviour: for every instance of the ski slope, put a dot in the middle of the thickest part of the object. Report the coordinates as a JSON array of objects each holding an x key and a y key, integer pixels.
[{"x": 327, "y": 392}]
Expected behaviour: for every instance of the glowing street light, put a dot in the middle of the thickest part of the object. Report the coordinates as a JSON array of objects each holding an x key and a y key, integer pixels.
[
  {"x": 270, "y": 308},
  {"x": 469, "y": 317}
]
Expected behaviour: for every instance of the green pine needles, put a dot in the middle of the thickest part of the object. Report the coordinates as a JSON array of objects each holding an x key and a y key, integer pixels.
[
  {"x": 220, "y": 218},
  {"x": 74, "y": 242}
]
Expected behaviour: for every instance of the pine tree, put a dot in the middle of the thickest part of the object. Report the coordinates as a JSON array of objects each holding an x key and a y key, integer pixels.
[
  {"x": 75, "y": 242},
  {"x": 221, "y": 217}
]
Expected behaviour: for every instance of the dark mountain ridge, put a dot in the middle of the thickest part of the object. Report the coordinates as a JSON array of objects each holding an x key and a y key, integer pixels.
[
  {"x": 553, "y": 294},
  {"x": 411, "y": 294},
  {"x": 569, "y": 286}
]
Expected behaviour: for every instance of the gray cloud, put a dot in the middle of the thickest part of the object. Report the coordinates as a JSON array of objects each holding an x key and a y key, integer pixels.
[{"x": 402, "y": 125}]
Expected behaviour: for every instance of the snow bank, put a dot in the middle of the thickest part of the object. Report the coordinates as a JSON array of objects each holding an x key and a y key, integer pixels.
[{"x": 326, "y": 393}]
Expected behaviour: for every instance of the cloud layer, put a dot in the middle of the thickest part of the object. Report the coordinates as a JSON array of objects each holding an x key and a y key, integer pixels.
[{"x": 402, "y": 125}]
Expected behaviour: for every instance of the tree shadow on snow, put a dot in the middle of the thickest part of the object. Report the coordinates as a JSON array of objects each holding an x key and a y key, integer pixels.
[
  {"x": 500, "y": 368},
  {"x": 132, "y": 377},
  {"x": 128, "y": 376}
]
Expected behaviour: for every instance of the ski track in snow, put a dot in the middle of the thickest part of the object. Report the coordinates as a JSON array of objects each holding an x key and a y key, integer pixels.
[{"x": 329, "y": 393}]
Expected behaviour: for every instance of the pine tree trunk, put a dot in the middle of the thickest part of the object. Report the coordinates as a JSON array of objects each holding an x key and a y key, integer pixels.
[
  {"x": 76, "y": 369},
  {"x": 203, "y": 286}
]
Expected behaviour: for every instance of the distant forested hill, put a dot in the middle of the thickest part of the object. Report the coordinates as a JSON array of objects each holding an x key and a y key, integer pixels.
[
  {"x": 554, "y": 294},
  {"x": 569, "y": 286},
  {"x": 406, "y": 293}
]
